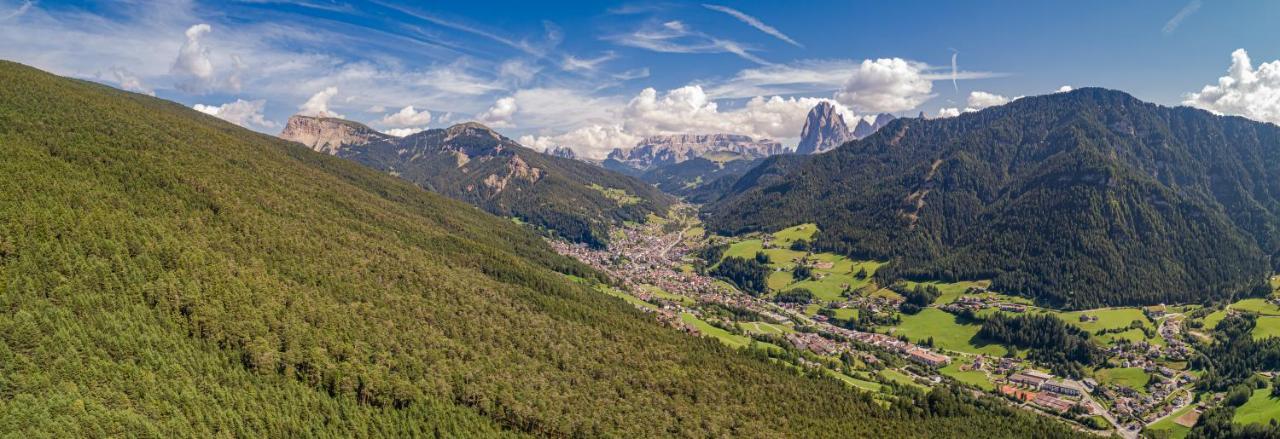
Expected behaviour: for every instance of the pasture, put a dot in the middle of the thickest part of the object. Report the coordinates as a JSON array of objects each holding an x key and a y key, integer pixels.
[
  {"x": 1131, "y": 377},
  {"x": 947, "y": 332},
  {"x": 1261, "y": 408}
]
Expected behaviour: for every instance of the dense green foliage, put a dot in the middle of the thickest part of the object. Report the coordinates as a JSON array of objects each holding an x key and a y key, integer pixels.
[
  {"x": 1078, "y": 199},
  {"x": 167, "y": 274},
  {"x": 747, "y": 274},
  {"x": 472, "y": 163},
  {"x": 1048, "y": 339},
  {"x": 1233, "y": 355}
]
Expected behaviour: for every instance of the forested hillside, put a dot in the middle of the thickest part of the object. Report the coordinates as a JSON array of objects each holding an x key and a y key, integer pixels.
[
  {"x": 164, "y": 273},
  {"x": 1078, "y": 199}
]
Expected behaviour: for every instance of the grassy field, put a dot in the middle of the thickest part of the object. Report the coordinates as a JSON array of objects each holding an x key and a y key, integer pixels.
[
  {"x": 731, "y": 340},
  {"x": 1132, "y": 335},
  {"x": 659, "y": 292},
  {"x": 1108, "y": 318},
  {"x": 947, "y": 333},
  {"x": 1261, "y": 408},
  {"x": 974, "y": 377},
  {"x": 833, "y": 280},
  {"x": 846, "y": 313},
  {"x": 898, "y": 377},
  {"x": 1268, "y": 326},
  {"x": 765, "y": 328},
  {"x": 1132, "y": 377},
  {"x": 624, "y": 296},
  {"x": 786, "y": 236},
  {"x": 1260, "y": 306},
  {"x": 950, "y": 290},
  {"x": 1211, "y": 320},
  {"x": 1175, "y": 431},
  {"x": 861, "y": 384}
]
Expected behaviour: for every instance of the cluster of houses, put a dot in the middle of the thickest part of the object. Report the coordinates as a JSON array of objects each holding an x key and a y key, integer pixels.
[
  {"x": 978, "y": 303},
  {"x": 910, "y": 351}
]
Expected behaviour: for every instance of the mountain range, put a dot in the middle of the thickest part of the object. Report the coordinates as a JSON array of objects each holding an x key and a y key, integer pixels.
[
  {"x": 166, "y": 273},
  {"x": 471, "y": 162},
  {"x": 658, "y": 151},
  {"x": 1078, "y": 199}
]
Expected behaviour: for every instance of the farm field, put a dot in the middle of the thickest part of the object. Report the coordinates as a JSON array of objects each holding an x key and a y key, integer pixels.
[
  {"x": 1260, "y": 306},
  {"x": 1169, "y": 424},
  {"x": 861, "y": 384},
  {"x": 1132, "y": 377},
  {"x": 659, "y": 292},
  {"x": 947, "y": 333},
  {"x": 788, "y": 235},
  {"x": 1261, "y": 408},
  {"x": 898, "y": 377},
  {"x": 846, "y": 313},
  {"x": 828, "y": 284}
]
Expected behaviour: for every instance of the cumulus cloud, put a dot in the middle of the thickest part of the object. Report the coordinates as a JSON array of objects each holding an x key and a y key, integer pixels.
[
  {"x": 886, "y": 85},
  {"x": 247, "y": 114},
  {"x": 1065, "y": 88},
  {"x": 686, "y": 109},
  {"x": 981, "y": 99},
  {"x": 1245, "y": 91},
  {"x": 404, "y": 132},
  {"x": 499, "y": 115},
  {"x": 406, "y": 117},
  {"x": 948, "y": 112},
  {"x": 318, "y": 104},
  {"x": 193, "y": 68}
]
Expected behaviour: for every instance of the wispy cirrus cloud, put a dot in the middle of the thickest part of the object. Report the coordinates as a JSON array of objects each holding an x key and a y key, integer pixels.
[
  {"x": 754, "y": 22},
  {"x": 677, "y": 37},
  {"x": 1186, "y": 11}
]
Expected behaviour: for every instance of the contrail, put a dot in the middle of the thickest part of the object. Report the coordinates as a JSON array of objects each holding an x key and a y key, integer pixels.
[{"x": 954, "y": 71}]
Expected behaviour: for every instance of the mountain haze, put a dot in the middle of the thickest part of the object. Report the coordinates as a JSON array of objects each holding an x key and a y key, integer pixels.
[{"x": 1078, "y": 199}]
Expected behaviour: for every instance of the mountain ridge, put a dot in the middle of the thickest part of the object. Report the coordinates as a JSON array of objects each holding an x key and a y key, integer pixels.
[{"x": 1078, "y": 199}]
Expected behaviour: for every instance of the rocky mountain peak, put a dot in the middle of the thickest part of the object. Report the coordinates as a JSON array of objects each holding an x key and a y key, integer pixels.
[
  {"x": 654, "y": 151},
  {"x": 329, "y": 135},
  {"x": 824, "y": 129}
]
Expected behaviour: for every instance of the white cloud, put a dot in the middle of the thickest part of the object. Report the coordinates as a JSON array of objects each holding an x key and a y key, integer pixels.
[
  {"x": 499, "y": 115},
  {"x": 1186, "y": 11},
  {"x": 131, "y": 82},
  {"x": 404, "y": 132},
  {"x": 1245, "y": 91},
  {"x": 886, "y": 85},
  {"x": 193, "y": 68},
  {"x": 575, "y": 64},
  {"x": 518, "y": 71},
  {"x": 26, "y": 5},
  {"x": 981, "y": 99},
  {"x": 1065, "y": 88},
  {"x": 247, "y": 114},
  {"x": 628, "y": 75},
  {"x": 593, "y": 141},
  {"x": 677, "y": 37},
  {"x": 318, "y": 104},
  {"x": 948, "y": 112},
  {"x": 406, "y": 117},
  {"x": 754, "y": 22}
]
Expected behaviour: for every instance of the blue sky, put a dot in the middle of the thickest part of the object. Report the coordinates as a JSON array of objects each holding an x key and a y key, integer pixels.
[{"x": 598, "y": 75}]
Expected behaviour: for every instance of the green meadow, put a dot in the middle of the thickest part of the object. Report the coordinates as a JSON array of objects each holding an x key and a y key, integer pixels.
[
  {"x": 1262, "y": 408},
  {"x": 1132, "y": 377},
  {"x": 1167, "y": 424},
  {"x": 973, "y": 377},
  {"x": 947, "y": 332}
]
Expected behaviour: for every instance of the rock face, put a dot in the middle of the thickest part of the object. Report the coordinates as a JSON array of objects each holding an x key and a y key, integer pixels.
[
  {"x": 656, "y": 151},
  {"x": 824, "y": 130},
  {"x": 562, "y": 152},
  {"x": 329, "y": 135}
]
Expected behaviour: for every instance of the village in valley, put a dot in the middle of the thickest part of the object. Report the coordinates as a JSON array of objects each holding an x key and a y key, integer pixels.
[{"x": 824, "y": 312}]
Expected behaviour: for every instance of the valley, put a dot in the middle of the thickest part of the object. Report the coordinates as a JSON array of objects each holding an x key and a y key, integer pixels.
[{"x": 826, "y": 314}]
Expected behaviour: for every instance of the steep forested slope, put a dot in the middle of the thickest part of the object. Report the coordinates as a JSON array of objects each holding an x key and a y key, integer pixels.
[
  {"x": 1079, "y": 199},
  {"x": 164, "y": 273},
  {"x": 472, "y": 163}
]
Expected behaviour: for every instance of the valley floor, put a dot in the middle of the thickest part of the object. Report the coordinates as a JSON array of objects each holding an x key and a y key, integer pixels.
[{"x": 851, "y": 328}]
